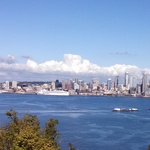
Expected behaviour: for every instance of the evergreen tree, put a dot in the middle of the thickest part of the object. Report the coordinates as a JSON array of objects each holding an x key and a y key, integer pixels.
[{"x": 26, "y": 134}]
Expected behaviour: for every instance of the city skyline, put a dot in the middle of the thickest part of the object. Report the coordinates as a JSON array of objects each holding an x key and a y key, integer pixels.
[
  {"x": 55, "y": 39},
  {"x": 75, "y": 86}
]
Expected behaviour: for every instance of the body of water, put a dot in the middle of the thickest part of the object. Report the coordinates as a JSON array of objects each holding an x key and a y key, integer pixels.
[{"x": 88, "y": 122}]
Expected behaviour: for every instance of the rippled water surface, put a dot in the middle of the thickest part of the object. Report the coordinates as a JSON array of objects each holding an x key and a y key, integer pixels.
[{"x": 88, "y": 122}]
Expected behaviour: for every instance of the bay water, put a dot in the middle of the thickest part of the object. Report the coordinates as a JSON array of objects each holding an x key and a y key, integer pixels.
[{"x": 87, "y": 122}]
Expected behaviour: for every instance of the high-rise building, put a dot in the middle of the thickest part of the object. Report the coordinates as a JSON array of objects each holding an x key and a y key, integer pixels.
[
  {"x": 116, "y": 81},
  {"x": 53, "y": 85},
  {"x": 81, "y": 82},
  {"x": 76, "y": 86},
  {"x": 113, "y": 85},
  {"x": 7, "y": 85},
  {"x": 67, "y": 86},
  {"x": 63, "y": 84},
  {"x": 14, "y": 84},
  {"x": 109, "y": 84},
  {"x": 138, "y": 89},
  {"x": 95, "y": 83},
  {"x": 126, "y": 83},
  {"x": 144, "y": 83},
  {"x": 132, "y": 82}
]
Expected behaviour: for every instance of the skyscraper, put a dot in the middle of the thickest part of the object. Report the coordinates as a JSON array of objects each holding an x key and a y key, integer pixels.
[
  {"x": 144, "y": 83},
  {"x": 126, "y": 83},
  {"x": 7, "y": 85},
  {"x": 109, "y": 84},
  {"x": 95, "y": 83},
  {"x": 132, "y": 82},
  {"x": 14, "y": 84},
  {"x": 116, "y": 82}
]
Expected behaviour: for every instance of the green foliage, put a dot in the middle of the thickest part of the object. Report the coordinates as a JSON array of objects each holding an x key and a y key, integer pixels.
[
  {"x": 71, "y": 147},
  {"x": 26, "y": 134}
]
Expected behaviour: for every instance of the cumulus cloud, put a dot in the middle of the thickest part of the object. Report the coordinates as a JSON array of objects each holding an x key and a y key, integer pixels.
[
  {"x": 71, "y": 65},
  {"x": 9, "y": 59}
]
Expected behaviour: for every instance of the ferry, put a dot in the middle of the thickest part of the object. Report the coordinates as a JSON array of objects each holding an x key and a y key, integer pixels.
[
  {"x": 124, "y": 109},
  {"x": 54, "y": 92}
]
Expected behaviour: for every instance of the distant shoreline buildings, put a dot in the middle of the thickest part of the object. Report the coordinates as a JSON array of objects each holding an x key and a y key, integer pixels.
[{"x": 130, "y": 87}]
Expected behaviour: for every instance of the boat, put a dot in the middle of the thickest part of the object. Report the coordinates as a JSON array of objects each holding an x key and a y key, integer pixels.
[
  {"x": 54, "y": 92},
  {"x": 124, "y": 109},
  {"x": 3, "y": 91}
]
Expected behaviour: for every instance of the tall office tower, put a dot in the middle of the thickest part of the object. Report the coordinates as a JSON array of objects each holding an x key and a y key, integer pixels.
[
  {"x": 81, "y": 82},
  {"x": 109, "y": 84},
  {"x": 14, "y": 84},
  {"x": 95, "y": 83},
  {"x": 76, "y": 80},
  {"x": 67, "y": 86},
  {"x": 71, "y": 82},
  {"x": 138, "y": 89},
  {"x": 7, "y": 85},
  {"x": 53, "y": 85},
  {"x": 117, "y": 82},
  {"x": 63, "y": 84},
  {"x": 132, "y": 82},
  {"x": 76, "y": 86},
  {"x": 113, "y": 85},
  {"x": 104, "y": 86},
  {"x": 144, "y": 83},
  {"x": 126, "y": 83}
]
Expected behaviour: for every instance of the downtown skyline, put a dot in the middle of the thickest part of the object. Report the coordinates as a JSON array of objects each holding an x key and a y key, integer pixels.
[{"x": 84, "y": 39}]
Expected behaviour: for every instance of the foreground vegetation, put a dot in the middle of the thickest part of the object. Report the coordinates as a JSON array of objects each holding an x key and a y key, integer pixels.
[{"x": 26, "y": 134}]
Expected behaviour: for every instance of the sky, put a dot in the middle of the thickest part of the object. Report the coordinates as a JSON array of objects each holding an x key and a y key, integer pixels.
[{"x": 42, "y": 40}]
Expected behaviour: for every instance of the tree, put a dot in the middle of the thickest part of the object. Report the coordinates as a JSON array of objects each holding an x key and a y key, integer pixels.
[
  {"x": 71, "y": 147},
  {"x": 26, "y": 134}
]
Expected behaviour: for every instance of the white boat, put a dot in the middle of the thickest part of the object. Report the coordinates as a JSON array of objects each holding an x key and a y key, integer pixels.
[
  {"x": 3, "y": 91},
  {"x": 54, "y": 92},
  {"x": 124, "y": 109}
]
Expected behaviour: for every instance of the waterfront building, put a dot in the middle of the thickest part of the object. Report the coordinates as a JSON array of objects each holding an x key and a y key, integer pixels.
[
  {"x": 76, "y": 80},
  {"x": 67, "y": 86},
  {"x": 104, "y": 86},
  {"x": 126, "y": 83},
  {"x": 113, "y": 85},
  {"x": 71, "y": 82},
  {"x": 109, "y": 84},
  {"x": 14, "y": 84},
  {"x": 132, "y": 82},
  {"x": 95, "y": 83},
  {"x": 63, "y": 84},
  {"x": 138, "y": 89},
  {"x": 53, "y": 86},
  {"x": 144, "y": 84},
  {"x": 86, "y": 87},
  {"x": 7, "y": 85},
  {"x": 81, "y": 82},
  {"x": 45, "y": 86},
  {"x": 3, "y": 85},
  {"x": 75, "y": 86},
  {"x": 116, "y": 83}
]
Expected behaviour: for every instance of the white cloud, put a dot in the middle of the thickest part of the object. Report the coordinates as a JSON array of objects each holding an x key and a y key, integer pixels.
[{"x": 71, "y": 65}]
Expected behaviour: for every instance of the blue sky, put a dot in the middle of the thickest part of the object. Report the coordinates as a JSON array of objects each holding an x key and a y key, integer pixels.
[{"x": 105, "y": 32}]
